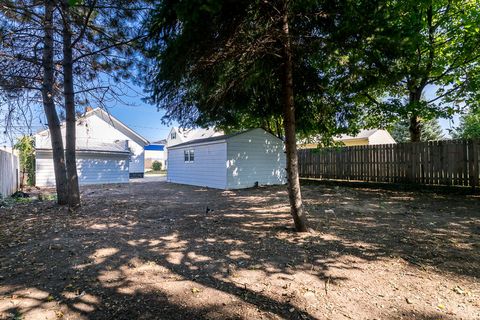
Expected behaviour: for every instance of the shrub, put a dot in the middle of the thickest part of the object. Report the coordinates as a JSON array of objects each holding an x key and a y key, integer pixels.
[
  {"x": 156, "y": 166},
  {"x": 26, "y": 149}
]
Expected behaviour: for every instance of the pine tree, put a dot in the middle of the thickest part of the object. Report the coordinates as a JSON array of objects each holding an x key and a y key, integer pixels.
[
  {"x": 92, "y": 40},
  {"x": 430, "y": 130}
]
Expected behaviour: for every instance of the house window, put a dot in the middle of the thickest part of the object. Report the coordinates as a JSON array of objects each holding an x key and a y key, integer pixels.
[
  {"x": 173, "y": 135},
  {"x": 189, "y": 156}
]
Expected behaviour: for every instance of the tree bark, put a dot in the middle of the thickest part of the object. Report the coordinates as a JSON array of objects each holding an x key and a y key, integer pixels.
[
  {"x": 294, "y": 192},
  {"x": 69, "y": 97},
  {"x": 49, "y": 106},
  {"x": 415, "y": 127}
]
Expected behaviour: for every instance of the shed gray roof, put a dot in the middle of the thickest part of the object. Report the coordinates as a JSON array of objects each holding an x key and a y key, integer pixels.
[
  {"x": 211, "y": 139},
  {"x": 100, "y": 147}
]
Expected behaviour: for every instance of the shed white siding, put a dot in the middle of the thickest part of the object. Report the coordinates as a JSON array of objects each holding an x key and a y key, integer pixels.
[
  {"x": 92, "y": 168},
  {"x": 234, "y": 162},
  {"x": 207, "y": 170},
  {"x": 256, "y": 156}
]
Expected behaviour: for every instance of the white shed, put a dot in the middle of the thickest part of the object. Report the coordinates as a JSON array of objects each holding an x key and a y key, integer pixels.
[
  {"x": 234, "y": 161},
  {"x": 103, "y": 163}
]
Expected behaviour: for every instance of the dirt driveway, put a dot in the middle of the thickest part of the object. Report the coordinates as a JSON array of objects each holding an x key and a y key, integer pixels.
[{"x": 151, "y": 251}]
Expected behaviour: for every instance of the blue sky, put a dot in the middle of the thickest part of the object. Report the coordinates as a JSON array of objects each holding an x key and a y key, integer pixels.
[{"x": 145, "y": 119}]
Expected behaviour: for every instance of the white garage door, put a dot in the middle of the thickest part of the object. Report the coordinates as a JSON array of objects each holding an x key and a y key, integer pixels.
[{"x": 93, "y": 168}]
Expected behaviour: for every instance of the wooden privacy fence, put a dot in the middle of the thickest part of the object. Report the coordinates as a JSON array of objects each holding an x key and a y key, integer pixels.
[
  {"x": 9, "y": 173},
  {"x": 450, "y": 163}
]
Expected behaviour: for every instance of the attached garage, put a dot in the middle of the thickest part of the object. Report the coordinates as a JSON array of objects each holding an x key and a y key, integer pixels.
[
  {"x": 234, "y": 161},
  {"x": 108, "y": 164}
]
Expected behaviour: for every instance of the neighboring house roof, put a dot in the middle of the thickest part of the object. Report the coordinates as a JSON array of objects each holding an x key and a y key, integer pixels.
[
  {"x": 155, "y": 147},
  {"x": 221, "y": 138},
  {"x": 363, "y": 134},
  {"x": 373, "y": 136},
  {"x": 199, "y": 133},
  {"x": 367, "y": 136},
  {"x": 163, "y": 141},
  {"x": 114, "y": 122},
  {"x": 185, "y": 135}
]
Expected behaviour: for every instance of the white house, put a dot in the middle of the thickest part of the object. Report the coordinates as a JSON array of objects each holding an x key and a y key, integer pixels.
[
  {"x": 234, "y": 161},
  {"x": 107, "y": 151},
  {"x": 366, "y": 137},
  {"x": 362, "y": 138}
]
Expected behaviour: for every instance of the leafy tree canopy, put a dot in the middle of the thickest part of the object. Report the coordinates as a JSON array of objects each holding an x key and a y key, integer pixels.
[{"x": 437, "y": 46}]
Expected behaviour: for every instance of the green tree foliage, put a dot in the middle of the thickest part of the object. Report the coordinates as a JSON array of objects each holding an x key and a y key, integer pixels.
[
  {"x": 218, "y": 63},
  {"x": 469, "y": 127},
  {"x": 431, "y": 130},
  {"x": 26, "y": 148},
  {"x": 437, "y": 46}
]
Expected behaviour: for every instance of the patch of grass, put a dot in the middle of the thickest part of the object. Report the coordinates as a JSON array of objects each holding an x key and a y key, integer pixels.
[
  {"x": 47, "y": 197},
  {"x": 159, "y": 172},
  {"x": 10, "y": 202}
]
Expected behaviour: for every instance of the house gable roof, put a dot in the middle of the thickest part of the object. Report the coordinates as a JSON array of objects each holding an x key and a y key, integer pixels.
[
  {"x": 117, "y": 124},
  {"x": 112, "y": 121}
]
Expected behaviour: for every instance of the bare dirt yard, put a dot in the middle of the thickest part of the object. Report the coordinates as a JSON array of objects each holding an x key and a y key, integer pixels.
[{"x": 151, "y": 251}]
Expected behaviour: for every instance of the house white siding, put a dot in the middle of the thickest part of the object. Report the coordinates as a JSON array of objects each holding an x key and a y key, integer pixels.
[
  {"x": 92, "y": 168},
  {"x": 207, "y": 170},
  {"x": 93, "y": 130},
  {"x": 256, "y": 156}
]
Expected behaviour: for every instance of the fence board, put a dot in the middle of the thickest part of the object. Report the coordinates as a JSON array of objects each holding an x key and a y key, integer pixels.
[
  {"x": 9, "y": 173},
  {"x": 452, "y": 162}
]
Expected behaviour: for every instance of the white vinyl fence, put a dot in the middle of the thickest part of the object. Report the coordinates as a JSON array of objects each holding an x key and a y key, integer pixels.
[{"x": 9, "y": 173}]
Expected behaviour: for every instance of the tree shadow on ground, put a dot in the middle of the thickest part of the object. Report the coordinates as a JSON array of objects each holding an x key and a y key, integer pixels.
[{"x": 153, "y": 251}]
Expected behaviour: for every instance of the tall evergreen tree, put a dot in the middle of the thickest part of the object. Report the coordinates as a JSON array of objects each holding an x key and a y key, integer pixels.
[
  {"x": 469, "y": 127},
  {"x": 239, "y": 63},
  {"x": 431, "y": 130}
]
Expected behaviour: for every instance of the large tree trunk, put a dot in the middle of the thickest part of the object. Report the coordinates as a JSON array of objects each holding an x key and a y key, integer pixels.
[
  {"x": 49, "y": 106},
  {"x": 69, "y": 96},
  {"x": 415, "y": 127},
  {"x": 294, "y": 193}
]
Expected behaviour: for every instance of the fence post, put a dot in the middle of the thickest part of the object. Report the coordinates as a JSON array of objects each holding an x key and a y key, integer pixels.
[{"x": 474, "y": 163}]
